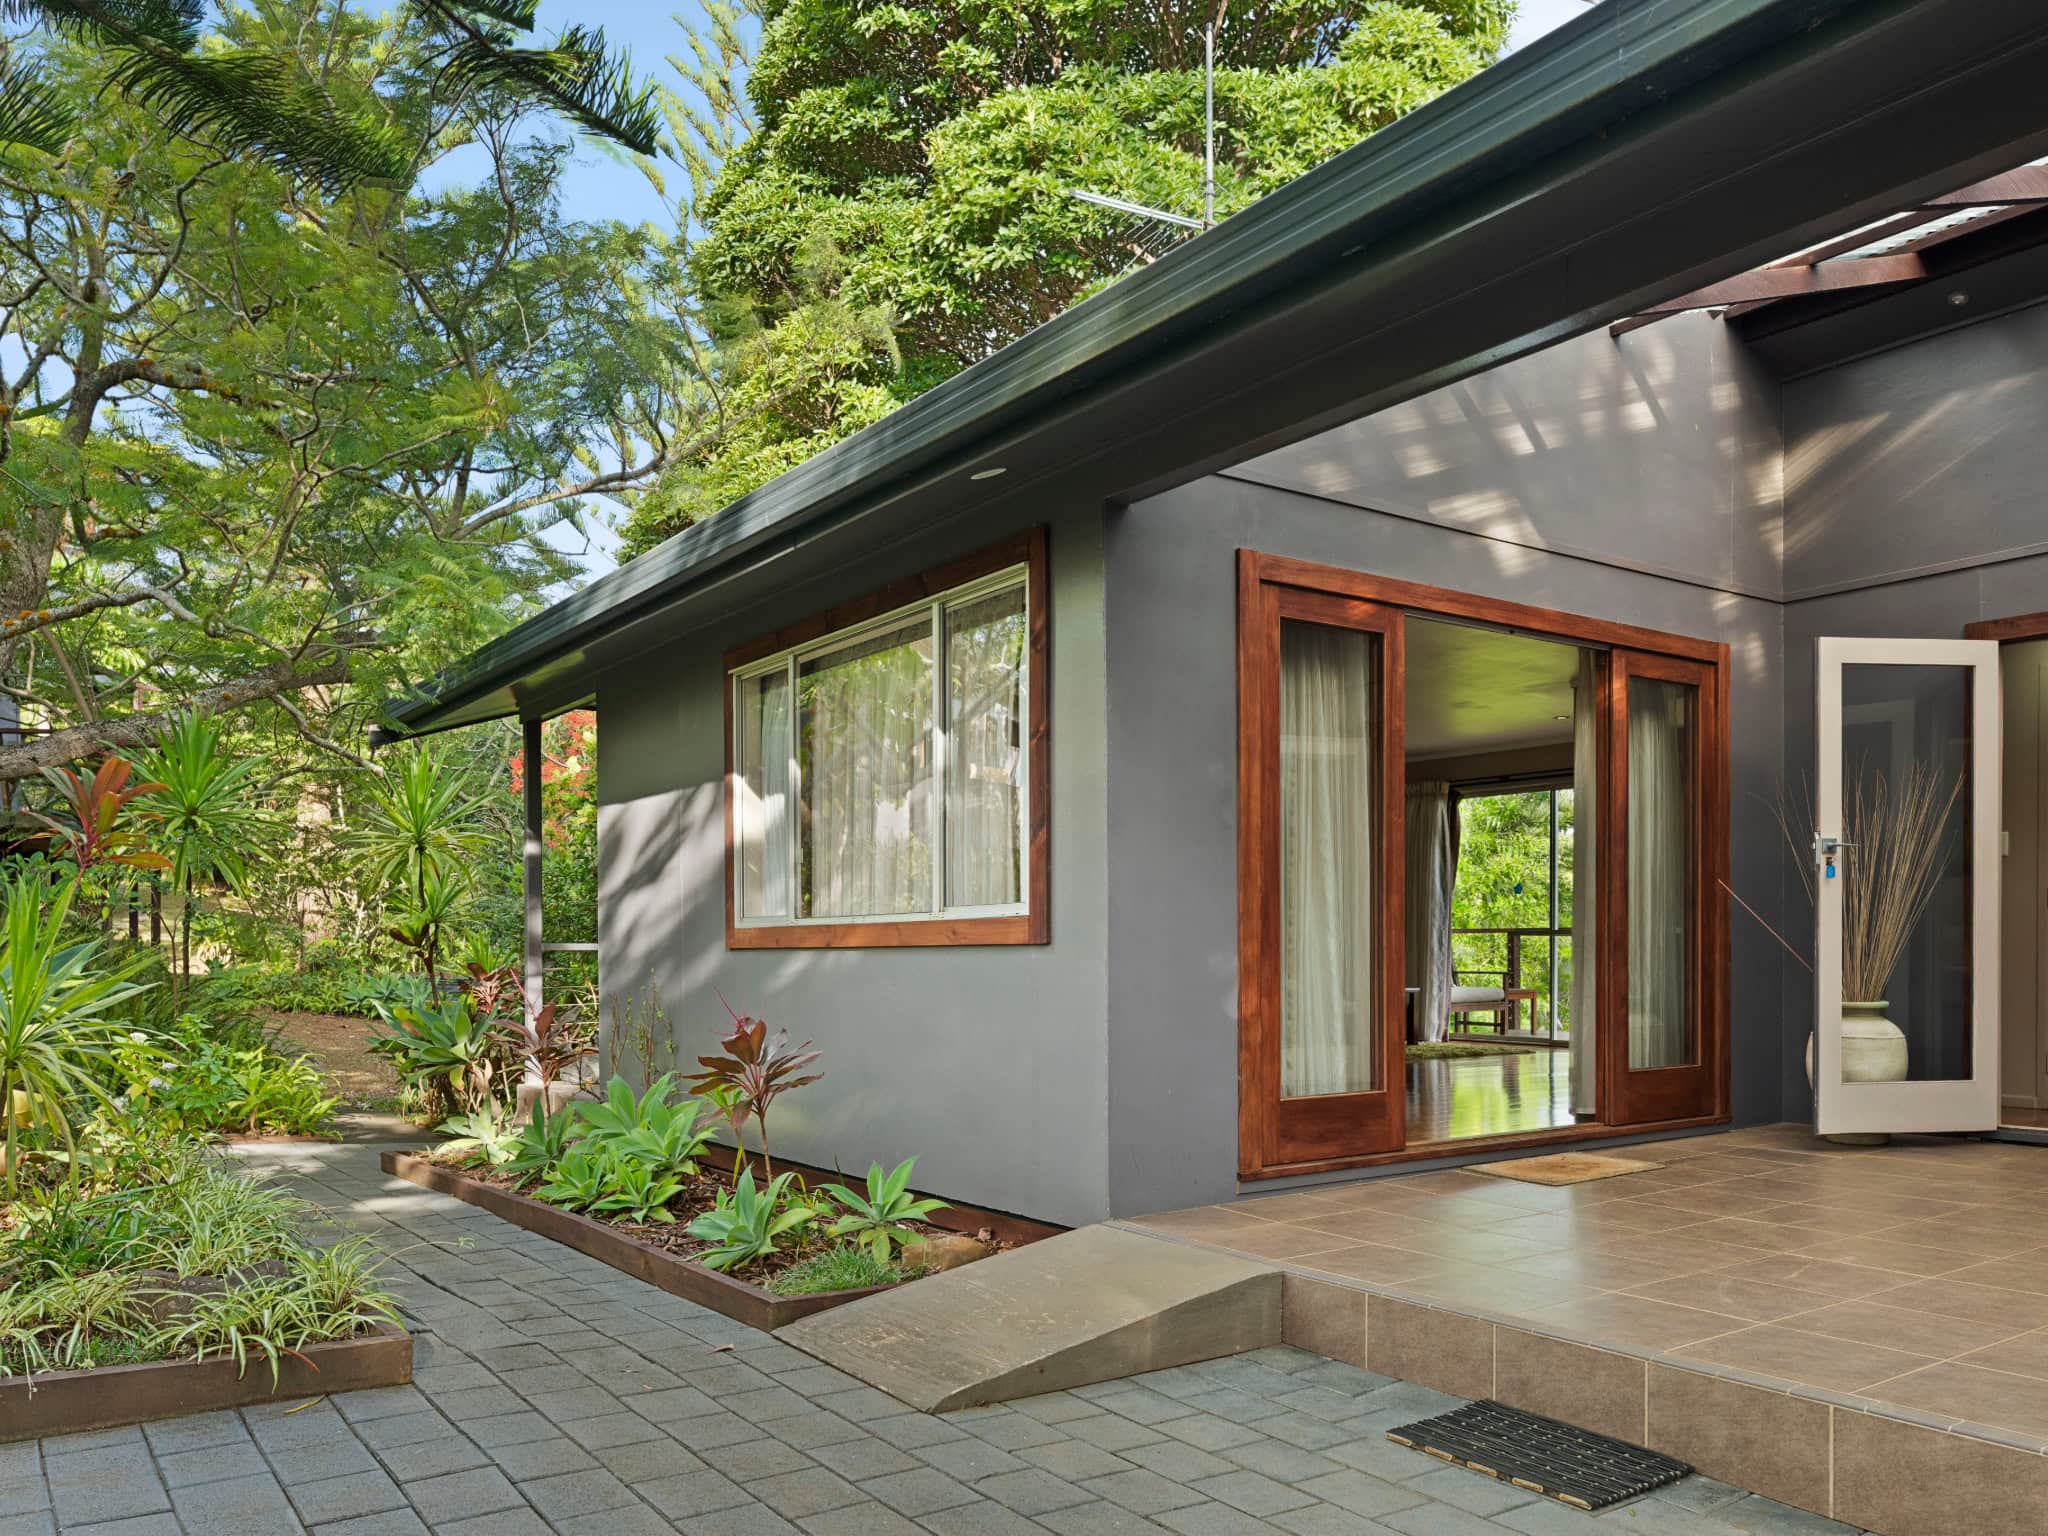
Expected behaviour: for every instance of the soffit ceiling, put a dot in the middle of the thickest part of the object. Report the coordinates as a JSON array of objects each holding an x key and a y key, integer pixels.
[{"x": 1484, "y": 690}]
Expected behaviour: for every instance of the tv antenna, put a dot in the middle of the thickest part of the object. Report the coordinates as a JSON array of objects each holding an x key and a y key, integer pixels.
[{"x": 1160, "y": 228}]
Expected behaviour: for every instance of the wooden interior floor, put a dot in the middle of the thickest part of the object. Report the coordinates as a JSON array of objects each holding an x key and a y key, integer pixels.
[
  {"x": 2023, "y": 1119},
  {"x": 1488, "y": 1096}
]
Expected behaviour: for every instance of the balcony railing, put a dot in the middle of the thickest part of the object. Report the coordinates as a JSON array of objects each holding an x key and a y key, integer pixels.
[{"x": 1532, "y": 966}]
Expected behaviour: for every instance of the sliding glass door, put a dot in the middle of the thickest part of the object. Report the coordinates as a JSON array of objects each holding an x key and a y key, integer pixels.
[
  {"x": 1661, "y": 949},
  {"x": 1320, "y": 847}
]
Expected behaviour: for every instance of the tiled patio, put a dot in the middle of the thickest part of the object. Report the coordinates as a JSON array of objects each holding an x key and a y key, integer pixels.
[
  {"x": 554, "y": 1394},
  {"x": 1907, "y": 1283}
]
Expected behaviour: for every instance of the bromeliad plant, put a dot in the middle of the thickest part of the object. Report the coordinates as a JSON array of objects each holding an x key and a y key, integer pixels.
[
  {"x": 878, "y": 1220},
  {"x": 755, "y": 1071},
  {"x": 748, "y": 1225}
]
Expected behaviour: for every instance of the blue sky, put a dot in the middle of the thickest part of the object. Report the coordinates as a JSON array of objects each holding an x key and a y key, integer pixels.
[{"x": 602, "y": 186}]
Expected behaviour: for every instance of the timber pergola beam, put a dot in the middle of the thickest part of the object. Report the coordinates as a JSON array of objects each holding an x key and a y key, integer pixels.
[
  {"x": 1767, "y": 284},
  {"x": 1816, "y": 270}
]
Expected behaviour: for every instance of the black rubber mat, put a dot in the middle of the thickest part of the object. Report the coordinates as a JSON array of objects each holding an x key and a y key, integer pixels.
[{"x": 1573, "y": 1466}]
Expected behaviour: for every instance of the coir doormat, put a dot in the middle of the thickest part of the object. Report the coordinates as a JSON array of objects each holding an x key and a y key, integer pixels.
[
  {"x": 1565, "y": 1168},
  {"x": 1573, "y": 1466}
]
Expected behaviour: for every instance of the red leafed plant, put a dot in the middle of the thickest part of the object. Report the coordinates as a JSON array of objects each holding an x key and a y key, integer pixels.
[
  {"x": 754, "y": 1072},
  {"x": 89, "y": 829}
]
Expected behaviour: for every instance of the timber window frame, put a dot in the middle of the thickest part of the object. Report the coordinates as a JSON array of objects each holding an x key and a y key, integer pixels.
[{"x": 925, "y": 602}]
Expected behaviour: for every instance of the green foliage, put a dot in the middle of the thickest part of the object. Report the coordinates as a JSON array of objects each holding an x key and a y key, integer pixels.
[
  {"x": 481, "y": 1136},
  {"x": 748, "y": 1225},
  {"x": 198, "y": 1083},
  {"x": 649, "y": 1130},
  {"x": 59, "y": 1016},
  {"x": 847, "y": 1267},
  {"x": 1504, "y": 882},
  {"x": 383, "y": 995},
  {"x": 577, "y": 1180},
  {"x": 901, "y": 207},
  {"x": 445, "y": 1050},
  {"x": 755, "y": 1070},
  {"x": 541, "y": 1143},
  {"x": 876, "y": 1218},
  {"x": 202, "y": 797},
  {"x": 634, "y": 1190}
]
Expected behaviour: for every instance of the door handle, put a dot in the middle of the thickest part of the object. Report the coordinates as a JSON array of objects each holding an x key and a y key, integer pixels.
[{"x": 1824, "y": 850}]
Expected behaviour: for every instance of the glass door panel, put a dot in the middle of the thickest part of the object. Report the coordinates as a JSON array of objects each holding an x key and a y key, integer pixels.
[
  {"x": 1320, "y": 986},
  {"x": 1906, "y": 881},
  {"x": 1659, "y": 1032}
]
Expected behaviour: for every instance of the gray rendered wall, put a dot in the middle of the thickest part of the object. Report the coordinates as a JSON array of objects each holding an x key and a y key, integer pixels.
[
  {"x": 985, "y": 1063},
  {"x": 1579, "y": 479},
  {"x": 1917, "y": 501}
]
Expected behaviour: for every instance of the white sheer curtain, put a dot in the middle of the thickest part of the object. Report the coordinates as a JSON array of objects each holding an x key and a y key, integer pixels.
[
  {"x": 1659, "y": 865},
  {"x": 1326, "y": 895},
  {"x": 1432, "y": 860},
  {"x": 866, "y": 754},
  {"x": 985, "y": 742},
  {"x": 764, "y": 820},
  {"x": 1585, "y": 883}
]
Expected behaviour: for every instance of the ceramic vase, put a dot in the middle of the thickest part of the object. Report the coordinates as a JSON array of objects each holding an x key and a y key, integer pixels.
[{"x": 1873, "y": 1051}]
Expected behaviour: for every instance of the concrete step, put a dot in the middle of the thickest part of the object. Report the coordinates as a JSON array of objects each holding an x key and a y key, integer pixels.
[{"x": 1089, "y": 1305}]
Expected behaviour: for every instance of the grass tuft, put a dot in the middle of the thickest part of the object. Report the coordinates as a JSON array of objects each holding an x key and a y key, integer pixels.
[{"x": 844, "y": 1268}]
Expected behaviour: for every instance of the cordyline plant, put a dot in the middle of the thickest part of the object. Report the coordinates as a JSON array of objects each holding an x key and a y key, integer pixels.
[
  {"x": 754, "y": 1072},
  {"x": 90, "y": 830}
]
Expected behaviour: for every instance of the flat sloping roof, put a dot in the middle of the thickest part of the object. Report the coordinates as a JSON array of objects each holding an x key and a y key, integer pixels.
[{"x": 1639, "y": 152}]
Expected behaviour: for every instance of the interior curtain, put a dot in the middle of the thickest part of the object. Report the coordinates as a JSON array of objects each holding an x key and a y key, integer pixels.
[
  {"x": 985, "y": 741},
  {"x": 1658, "y": 862},
  {"x": 1585, "y": 883},
  {"x": 1326, "y": 897},
  {"x": 765, "y": 823},
  {"x": 1432, "y": 859},
  {"x": 866, "y": 764}
]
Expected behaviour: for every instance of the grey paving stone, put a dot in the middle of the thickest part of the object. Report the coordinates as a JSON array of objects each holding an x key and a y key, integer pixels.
[
  {"x": 1340, "y": 1377},
  {"x": 1310, "y": 1433},
  {"x": 1547, "y": 1517},
  {"x": 541, "y": 1458},
  {"x": 459, "y": 1495},
  {"x": 862, "y": 1404},
  {"x": 713, "y": 1431},
  {"x": 563, "y": 1404},
  {"x": 1361, "y": 1493},
  {"x": 754, "y": 1459},
  {"x": 1753, "y": 1513},
  {"x": 970, "y": 1459},
  {"x": 1008, "y": 1430},
  {"x": 859, "y": 1460},
  {"x": 1473, "y": 1492},
  {"x": 1382, "y": 1458},
  {"x": 133, "y": 1491},
  {"x": 1238, "y": 1406},
  {"x": 392, "y": 1522},
  {"x": 1073, "y": 1460},
  {"x": 312, "y": 1463},
  {"x": 910, "y": 1431},
  {"x": 1253, "y": 1493},
  {"x": 609, "y": 1429},
  {"x": 666, "y": 1407},
  {"x": 192, "y": 1432},
  {"x": 867, "y": 1518},
  {"x": 93, "y": 1440},
  {"x": 576, "y": 1493},
  {"x": 1031, "y": 1491},
  {"x": 1142, "y": 1405},
  {"x": 379, "y": 1403},
  {"x": 511, "y": 1522},
  {"x": 1111, "y": 1433},
  {"x": 1329, "y": 1520},
  {"x": 510, "y": 1429},
  {"x": 478, "y": 1402},
  {"x": 813, "y": 1428},
  {"x": 26, "y": 1496},
  {"x": 34, "y": 1523},
  {"x": 1142, "y": 1491},
  {"x": 1439, "y": 1520},
  {"x": 1181, "y": 1463},
  {"x": 211, "y": 1464},
  {"x": 343, "y": 1498},
  {"x": 1057, "y": 1407},
  {"x": 432, "y": 1456},
  {"x": 1208, "y": 1432},
  {"x": 691, "y": 1494},
  {"x": 811, "y": 1491},
  {"x": 1098, "y": 1519},
  {"x": 282, "y": 1426},
  {"x": 645, "y": 1460},
  {"x": 773, "y": 1402},
  {"x": 634, "y": 1520},
  {"x": 1278, "y": 1460},
  {"x": 402, "y": 1429},
  {"x": 1211, "y": 1519},
  {"x": 140, "y": 1525},
  {"x": 985, "y": 1517},
  {"x": 244, "y": 1504}
]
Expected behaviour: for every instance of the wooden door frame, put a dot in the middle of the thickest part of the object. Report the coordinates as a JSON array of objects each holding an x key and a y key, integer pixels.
[
  {"x": 2021, "y": 626},
  {"x": 1258, "y": 716}
]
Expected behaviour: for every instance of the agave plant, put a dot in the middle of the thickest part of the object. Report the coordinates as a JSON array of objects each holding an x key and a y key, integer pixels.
[
  {"x": 444, "y": 1046},
  {"x": 481, "y": 1135},
  {"x": 757, "y": 1069},
  {"x": 649, "y": 1129},
  {"x": 876, "y": 1220},
  {"x": 541, "y": 1143},
  {"x": 59, "y": 1016},
  {"x": 748, "y": 1224}
]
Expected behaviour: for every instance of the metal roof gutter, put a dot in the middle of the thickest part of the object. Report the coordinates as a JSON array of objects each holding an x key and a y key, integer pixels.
[{"x": 1623, "y": 69}]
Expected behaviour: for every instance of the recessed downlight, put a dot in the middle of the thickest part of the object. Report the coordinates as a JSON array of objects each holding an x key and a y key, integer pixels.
[{"x": 990, "y": 473}]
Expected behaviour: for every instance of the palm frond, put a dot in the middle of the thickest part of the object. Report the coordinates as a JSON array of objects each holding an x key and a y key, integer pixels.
[
  {"x": 262, "y": 104},
  {"x": 174, "y": 23},
  {"x": 522, "y": 14},
  {"x": 578, "y": 76},
  {"x": 31, "y": 114}
]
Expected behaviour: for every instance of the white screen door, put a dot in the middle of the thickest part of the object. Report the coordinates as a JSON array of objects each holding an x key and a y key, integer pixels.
[{"x": 1906, "y": 817}]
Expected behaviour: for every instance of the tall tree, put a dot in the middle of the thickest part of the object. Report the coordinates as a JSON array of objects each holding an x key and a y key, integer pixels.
[
  {"x": 260, "y": 439},
  {"x": 902, "y": 207}
]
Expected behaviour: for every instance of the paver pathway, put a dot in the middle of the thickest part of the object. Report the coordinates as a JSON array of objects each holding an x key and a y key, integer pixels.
[{"x": 555, "y": 1394}]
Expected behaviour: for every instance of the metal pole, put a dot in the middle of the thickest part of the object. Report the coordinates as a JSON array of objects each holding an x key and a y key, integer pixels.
[
  {"x": 1551, "y": 1031},
  {"x": 531, "y": 867},
  {"x": 1209, "y": 126}
]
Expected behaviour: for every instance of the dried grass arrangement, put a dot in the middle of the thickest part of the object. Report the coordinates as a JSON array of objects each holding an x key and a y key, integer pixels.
[{"x": 1896, "y": 850}]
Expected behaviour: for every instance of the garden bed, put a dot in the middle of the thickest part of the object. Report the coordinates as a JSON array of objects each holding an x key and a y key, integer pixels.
[
  {"x": 66, "y": 1402},
  {"x": 645, "y": 1253}
]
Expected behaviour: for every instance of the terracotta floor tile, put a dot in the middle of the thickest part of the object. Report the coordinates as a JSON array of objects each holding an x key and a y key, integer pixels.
[
  {"x": 1601, "y": 1271},
  {"x": 2023, "y": 1272},
  {"x": 1677, "y": 1247},
  {"x": 1949, "y": 1297},
  {"x": 1759, "y": 1235},
  {"x": 1841, "y": 1365},
  {"x": 1467, "y": 1245},
  {"x": 1634, "y": 1322},
  {"x": 1720, "y": 1291},
  {"x": 1820, "y": 1216},
  {"x": 2024, "y": 1354},
  {"x": 1836, "y": 1281},
  {"x": 1948, "y": 1233},
  {"x": 1275, "y": 1240},
  {"x": 1492, "y": 1290},
  {"x": 1970, "y": 1392},
  {"x": 1717, "y": 1199},
  {"x": 1371, "y": 1262},
  {"x": 1881, "y": 1252},
  {"x": 1290, "y": 1207},
  {"x": 1870, "y": 1320}
]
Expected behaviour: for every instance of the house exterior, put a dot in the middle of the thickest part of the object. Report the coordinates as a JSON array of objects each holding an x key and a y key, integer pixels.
[{"x": 1038, "y": 944}]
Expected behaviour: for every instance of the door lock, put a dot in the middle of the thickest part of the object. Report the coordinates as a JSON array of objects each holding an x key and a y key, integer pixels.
[{"x": 1824, "y": 851}]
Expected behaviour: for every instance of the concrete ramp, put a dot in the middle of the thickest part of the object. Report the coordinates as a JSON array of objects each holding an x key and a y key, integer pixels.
[{"x": 1089, "y": 1305}]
